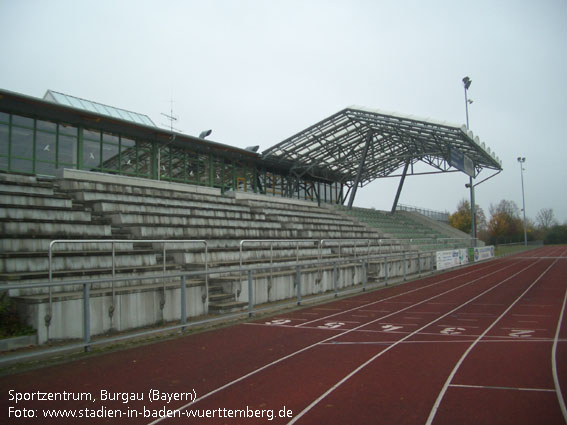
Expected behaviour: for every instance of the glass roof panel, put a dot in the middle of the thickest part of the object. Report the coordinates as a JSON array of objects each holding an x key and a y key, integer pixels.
[{"x": 99, "y": 108}]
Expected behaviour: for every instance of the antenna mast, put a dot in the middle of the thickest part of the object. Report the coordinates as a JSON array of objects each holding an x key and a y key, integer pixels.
[{"x": 171, "y": 119}]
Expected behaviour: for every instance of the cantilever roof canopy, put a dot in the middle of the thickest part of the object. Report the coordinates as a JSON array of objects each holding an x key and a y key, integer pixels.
[{"x": 358, "y": 145}]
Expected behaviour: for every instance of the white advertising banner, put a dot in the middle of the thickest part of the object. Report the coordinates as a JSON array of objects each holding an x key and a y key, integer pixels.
[
  {"x": 452, "y": 258},
  {"x": 483, "y": 253}
]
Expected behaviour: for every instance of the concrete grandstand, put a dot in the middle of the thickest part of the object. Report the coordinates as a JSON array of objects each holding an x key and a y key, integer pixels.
[{"x": 103, "y": 212}]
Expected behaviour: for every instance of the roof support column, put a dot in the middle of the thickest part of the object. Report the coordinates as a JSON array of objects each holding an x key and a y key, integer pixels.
[
  {"x": 360, "y": 168},
  {"x": 398, "y": 193}
]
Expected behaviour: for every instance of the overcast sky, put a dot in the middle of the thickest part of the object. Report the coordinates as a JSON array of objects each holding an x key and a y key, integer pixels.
[{"x": 257, "y": 72}]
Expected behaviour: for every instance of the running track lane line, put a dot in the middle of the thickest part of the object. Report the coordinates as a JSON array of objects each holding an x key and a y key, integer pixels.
[
  {"x": 443, "y": 391},
  {"x": 554, "y": 362},
  {"x": 366, "y": 363},
  {"x": 266, "y": 366},
  {"x": 397, "y": 295}
]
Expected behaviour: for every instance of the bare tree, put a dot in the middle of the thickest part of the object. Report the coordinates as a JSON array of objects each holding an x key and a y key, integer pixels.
[{"x": 546, "y": 219}]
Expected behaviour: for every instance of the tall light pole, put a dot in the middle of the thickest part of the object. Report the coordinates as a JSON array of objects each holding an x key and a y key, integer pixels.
[
  {"x": 521, "y": 160},
  {"x": 467, "y": 83}
]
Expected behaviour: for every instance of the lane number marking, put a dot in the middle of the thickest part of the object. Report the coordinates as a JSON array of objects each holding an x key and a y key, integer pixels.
[{"x": 278, "y": 322}]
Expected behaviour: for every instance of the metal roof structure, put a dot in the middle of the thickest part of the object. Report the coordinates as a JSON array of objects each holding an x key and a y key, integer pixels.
[
  {"x": 98, "y": 108},
  {"x": 358, "y": 145}
]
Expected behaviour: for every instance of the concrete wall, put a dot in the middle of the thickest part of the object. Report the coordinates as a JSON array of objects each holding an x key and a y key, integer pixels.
[{"x": 134, "y": 308}]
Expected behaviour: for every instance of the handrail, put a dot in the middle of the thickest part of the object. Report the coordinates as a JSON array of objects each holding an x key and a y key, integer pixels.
[
  {"x": 183, "y": 276},
  {"x": 112, "y": 242}
]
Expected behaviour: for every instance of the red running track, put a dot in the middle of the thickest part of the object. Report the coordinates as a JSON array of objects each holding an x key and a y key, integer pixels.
[{"x": 485, "y": 344}]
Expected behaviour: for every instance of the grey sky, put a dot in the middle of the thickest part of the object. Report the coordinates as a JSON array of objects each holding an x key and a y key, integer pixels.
[{"x": 257, "y": 72}]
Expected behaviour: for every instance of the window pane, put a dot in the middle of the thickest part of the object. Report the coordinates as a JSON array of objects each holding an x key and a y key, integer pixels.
[
  {"x": 21, "y": 165},
  {"x": 46, "y": 125},
  {"x": 68, "y": 130},
  {"x": 91, "y": 134},
  {"x": 91, "y": 155},
  {"x": 4, "y": 139},
  {"x": 67, "y": 150},
  {"x": 110, "y": 138},
  {"x": 4, "y": 117},
  {"x": 22, "y": 121},
  {"x": 45, "y": 168},
  {"x": 110, "y": 158},
  {"x": 178, "y": 163},
  {"x": 45, "y": 146},
  {"x": 127, "y": 142},
  {"x": 22, "y": 142},
  {"x": 3, "y": 162},
  {"x": 144, "y": 159},
  {"x": 128, "y": 156}
]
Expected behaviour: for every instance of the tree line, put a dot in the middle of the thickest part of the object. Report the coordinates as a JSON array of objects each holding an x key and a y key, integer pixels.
[{"x": 505, "y": 224}]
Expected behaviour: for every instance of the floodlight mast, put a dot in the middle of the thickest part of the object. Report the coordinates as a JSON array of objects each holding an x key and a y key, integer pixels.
[
  {"x": 521, "y": 160},
  {"x": 467, "y": 83}
]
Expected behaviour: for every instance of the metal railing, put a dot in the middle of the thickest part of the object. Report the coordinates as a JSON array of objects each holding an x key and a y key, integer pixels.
[
  {"x": 294, "y": 267},
  {"x": 112, "y": 243},
  {"x": 87, "y": 285}
]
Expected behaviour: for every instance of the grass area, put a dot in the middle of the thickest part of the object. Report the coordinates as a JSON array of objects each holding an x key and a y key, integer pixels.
[
  {"x": 503, "y": 250},
  {"x": 10, "y": 324}
]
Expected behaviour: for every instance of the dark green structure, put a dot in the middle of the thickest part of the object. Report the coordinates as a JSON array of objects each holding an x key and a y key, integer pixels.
[
  {"x": 326, "y": 162},
  {"x": 40, "y": 136}
]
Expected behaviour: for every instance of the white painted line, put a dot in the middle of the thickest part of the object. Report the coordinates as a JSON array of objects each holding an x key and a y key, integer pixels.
[
  {"x": 386, "y": 300},
  {"x": 437, "y": 403},
  {"x": 316, "y": 344},
  {"x": 487, "y": 387},
  {"x": 385, "y": 350},
  {"x": 554, "y": 362}
]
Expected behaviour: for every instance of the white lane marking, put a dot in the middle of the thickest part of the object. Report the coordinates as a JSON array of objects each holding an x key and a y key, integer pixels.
[
  {"x": 386, "y": 300},
  {"x": 385, "y": 350},
  {"x": 316, "y": 344},
  {"x": 488, "y": 387},
  {"x": 437, "y": 403},
  {"x": 554, "y": 362}
]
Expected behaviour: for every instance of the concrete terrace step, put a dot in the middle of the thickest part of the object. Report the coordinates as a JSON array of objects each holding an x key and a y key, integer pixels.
[
  {"x": 69, "y": 261},
  {"x": 55, "y": 229},
  {"x": 138, "y": 278},
  {"x": 171, "y": 220},
  {"x": 163, "y": 201},
  {"x": 104, "y": 207},
  {"x": 248, "y": 255},
  {"x": 43, "y": 275},
  {"x": 44, "y": 214},
  {"x": 28, "y": 200},
  {"x": 40, "y": 245},
  {"x": 75, "y": 186},
  {"x": 31, "y": 189}
]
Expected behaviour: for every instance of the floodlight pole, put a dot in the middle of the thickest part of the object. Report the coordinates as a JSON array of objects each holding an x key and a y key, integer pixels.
[
  {"x": 467, "y": 83},
  {"x": 521, "y": 160}
]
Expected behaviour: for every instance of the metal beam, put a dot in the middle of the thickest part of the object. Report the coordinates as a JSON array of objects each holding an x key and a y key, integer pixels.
[
  {"x": 360, "y": 168},
  {"x": 400, "y": 186}
]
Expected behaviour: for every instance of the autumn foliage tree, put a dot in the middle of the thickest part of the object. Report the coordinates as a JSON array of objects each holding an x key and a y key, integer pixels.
[
  {"x": 461, "y": 219},
  {"x": 505, "y": 224}
]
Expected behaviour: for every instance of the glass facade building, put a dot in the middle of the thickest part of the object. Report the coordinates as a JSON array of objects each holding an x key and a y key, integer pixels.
[{"x": 39, "y": 137}]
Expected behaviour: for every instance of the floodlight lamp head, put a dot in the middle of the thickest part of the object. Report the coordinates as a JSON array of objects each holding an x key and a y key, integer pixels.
[
  {"x": 467, "y": 82},
  {"x": 205, "y": 133}
]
